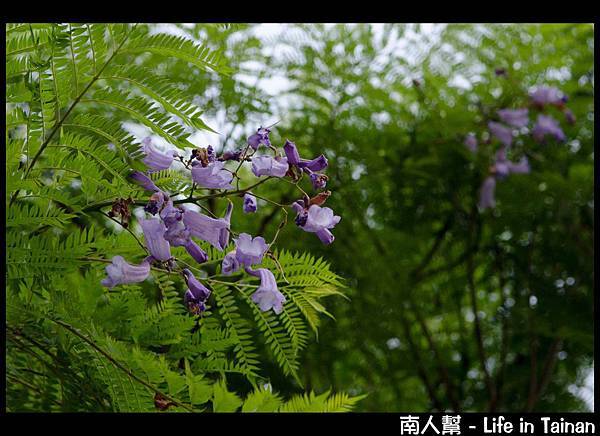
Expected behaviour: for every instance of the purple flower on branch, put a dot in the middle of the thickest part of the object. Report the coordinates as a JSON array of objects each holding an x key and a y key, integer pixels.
[
  {"x": 546, "y": 125},
  {"x": 293, "y": 157},
  {"x": 213, "y": 176},
  {"x": 122, "y": 273},
  {"x": 503, "y": 133},
  {"x": 250, "y": 205},
  {"x": 230, "y": 263},
  {"x": 154, "y": 231},
  {"x": 212, "y": 230},
  {"x": 250, "y": 251},
  {"x": 196, "y": 295},
  {"x": 318, "y": 220},
  {"x": 471, "y": 142},
  {"x": 144, "y": 181},
  {"x": 155, "y": 159},
  {"x": 261, "y": 137},
  {"x": 267, "y": 296},
  {"x": 514, "y": 117},
  {"x": 544, "y": 95},
  {"x": 269, "y": 166}
]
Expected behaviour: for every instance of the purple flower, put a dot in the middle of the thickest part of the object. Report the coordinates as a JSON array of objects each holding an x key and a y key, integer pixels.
[
  {"x": 206, "y": 228},
  {"x": 250, "y": 204},
  {"x": 267, "y": 296},
  {"x": 230, "y": 263},
  {"x": 269, "y": 166},
  {"x": 486, "y": 196},
  {"x": 471, "y": 142},
  {"x": 544, "y": 95},
  {"x": 155, "y": 159},
  {"x": 158, "y": 246},
  {"x": 291, "y": 151},
  {"x": 261, "y": 137},
  {"x": 122, "y": 273},
  {"x": 503, "y": 133},
  {"x": 194, "y": 250},
  {"x": 319, "y": 181},
  {"x": 514, "y": 117},
  {"x": 503, "y": 167},
  {"x": 144, "y": 181},
  {"x": 213, "y": 176},
  {"x": 231, "y": 155},
  {"x": 224, "y": 233},
  {"x": 319, "y": 220},
  {"x": 546, "y": 125},
  {"x": 250, "y": 251},
  {"x": 196, "y": 295}
]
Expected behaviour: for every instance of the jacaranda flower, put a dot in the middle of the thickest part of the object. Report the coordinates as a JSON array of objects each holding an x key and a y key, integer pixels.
[
  {"x": 319, "y": 220},
  {"x": 155, "y": 159},
  {"x": 267, "y": 296},
  {"x": 122, "y": 273},
  {"x": 471, "y": 142},
  {"x": 514, "y": 117},
  {"x": 224, "y": 233},
  {"x": 261, "y": 137},
  {"x": 250, "y": 251},
  {"x": 156, "y": 202},
  {"x": 213, "y": 176},
  {"x": 144, "y": 181},
  {"x": 499, "y": 171},
  {"x": 154, "y": 231},
  {"x": 230, "y": 263},
  {"x": 546, "y": 125},
  {"x": 293, "y": 157},
  {"x": 250, "y": 205},
  {"x": 544, "y": 95},
  {"x": 503, "y": 133},
  {"x": 269, "y": 166},
  {"x": 570, "y": 116},
  {"x": 197, "y": 294},
  {"x": 206, "y": 228}
]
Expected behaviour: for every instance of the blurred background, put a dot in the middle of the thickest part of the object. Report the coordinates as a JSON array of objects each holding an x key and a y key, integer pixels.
[{"x": 450, "y": 307}]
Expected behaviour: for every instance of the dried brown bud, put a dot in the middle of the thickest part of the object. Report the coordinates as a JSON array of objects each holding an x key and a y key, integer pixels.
[
  {"x": 161, "y": 403},
  {"x": 320, "y": 198}
]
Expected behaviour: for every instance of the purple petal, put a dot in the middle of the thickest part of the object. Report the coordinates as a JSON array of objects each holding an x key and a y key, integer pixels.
[
  {"x": 514, "y": 117},
  {"x": 155, "y": 159},
  {"x": 503, "y": 133},
  {"x": 144, "y": 181},
  {"x": 488, "y": 188},
  {"x": 293, "y": 157},
  {"x": 250, "y": 205},
  {"x": 197, "y": 253},
  {"x": 268, "y": 166},
  {"x": 121, "y": 273},
  {"x": 212, "y": 176},
  {"x": 250, "y": 251},
  {"x": 230, "y": 263},
  {"x": 204, "y": 227},
  {"x": 158, "y": 246},
  {"x": 546, "y": 125},
  {"x": 267, "y": 296}
]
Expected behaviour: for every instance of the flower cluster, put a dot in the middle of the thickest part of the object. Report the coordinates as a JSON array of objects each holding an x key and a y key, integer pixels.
[
  {"x": 168, "y": 223},
  {"x": 511, "y": 122}
]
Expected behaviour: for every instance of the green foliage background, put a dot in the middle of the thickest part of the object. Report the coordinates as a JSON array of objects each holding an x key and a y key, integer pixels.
[{"x": 389, "y": 106}]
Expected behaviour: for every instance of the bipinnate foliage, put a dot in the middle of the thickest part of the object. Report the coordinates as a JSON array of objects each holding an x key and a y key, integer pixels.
[{"x": 72, "y": 344}]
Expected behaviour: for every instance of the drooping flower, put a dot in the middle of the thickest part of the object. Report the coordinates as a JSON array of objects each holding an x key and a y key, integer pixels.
[
  {"x": 212, "y": 176},
  {"x": 503, "y": 133},
  {"x": 514, "y": 117},
  {"x": 194, "y": 250},
  {"x": 144, "y": 181},
  {"x": 269, "y": 166},
  {"x": 487, "y": 194},
  {"x": 318, "y": 180},
  {"x": 154, "y": 231},
  {"x": 206, "y": 228},
  {"x": 155, "y": 159},
  {"x": 231, "y": 155},
  {"x": 250, "y": 205},
  {"x": 546, "y": 125},
  {"x": 196, "y": 295},
  {"x": 122, "y": 273},
  {"x": 544, "y": 95},
  {"x": 225, "y": 233},
  {"x": 230, "y": 263},
  {"x": 318, "y": 220},
  {"x": 471, "y": 142},
  {"x": 267, "y": 296},
  {"x": 250, "y": 251},
  {"x": 261, "y": 137},
  {"x": 293, "y": 157}
]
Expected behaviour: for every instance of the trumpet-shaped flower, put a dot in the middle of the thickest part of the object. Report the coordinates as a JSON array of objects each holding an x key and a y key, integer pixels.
[
  {"x": 196, "y": 295},
  {"x": 293, "y": 157},
  {"x": 318, "y": 220},
  {"x": 501, "y": 132},
  {"x": 155, "y": 159},
  {"x": 144, "y": 181},
  {"x": 514, "y": 117},
  {"x": 212, "y": 230},
  {"x": 546, "y": 125},
  {"x": 269, "y": 166},
  {"x": 250, "y": 204},
  {"x": 261, "y": 137},
  {"x": 212, "y": 176},
  {"x": 250, "y": 251},
  {"x": 230, "y": 263},
  {"x": 122, "y": 273},
  {"x": 267, "y": 296},
  {"x": 544, "y": 95},
  {"x": 154, "y": 231}
]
